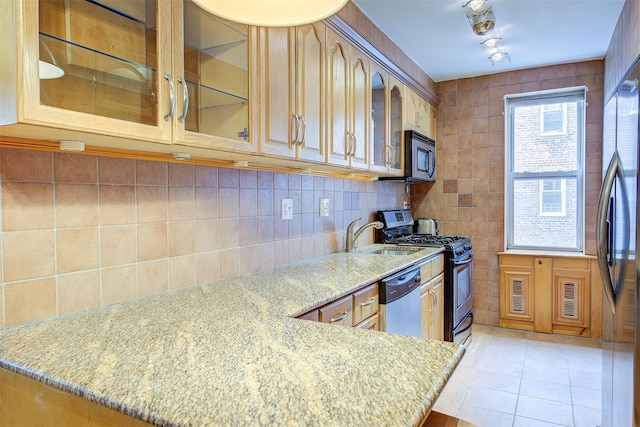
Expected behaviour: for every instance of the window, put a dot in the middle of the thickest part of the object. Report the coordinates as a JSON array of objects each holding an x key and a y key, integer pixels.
[
  {"x": 552, "y": 197},
  {"x": 553, "y": 119},
  {"x": 544, "y": 172}
]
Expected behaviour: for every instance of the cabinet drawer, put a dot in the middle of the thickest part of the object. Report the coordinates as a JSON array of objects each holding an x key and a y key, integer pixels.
[
  {"x": 437, "y": 265},
  {"x": 365, "y": 303},
  {"x": 313, "y": 315},
  {"x": 371, "y": 323},
  {"x": 339, "y": 312}
]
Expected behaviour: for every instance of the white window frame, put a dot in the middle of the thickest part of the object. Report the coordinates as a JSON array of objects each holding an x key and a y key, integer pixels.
[
  {"x": 563, "y": 131},
  {"x": 563, "y": 199},
  {"x": 511, "y": 101}
]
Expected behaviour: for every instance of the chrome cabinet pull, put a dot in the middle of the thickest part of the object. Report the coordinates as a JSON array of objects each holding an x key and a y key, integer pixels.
[
  {"x": 172, "y": 97},
  {"x": 368, "y": 303},
  {"x": 338, "y": 319},
  {"x": 185, "y": 99},
  {"x": 297, "y": 119},
  {"x": 304, "y": 130}
]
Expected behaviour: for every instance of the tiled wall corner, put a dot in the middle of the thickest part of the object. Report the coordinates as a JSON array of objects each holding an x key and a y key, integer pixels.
[{"x": 468, "y": 197}]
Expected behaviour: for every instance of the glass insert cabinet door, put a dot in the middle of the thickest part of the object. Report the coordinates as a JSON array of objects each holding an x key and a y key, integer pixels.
[
  {"x": 103, "y": 66},
  {"x": 214, "y": 56}
]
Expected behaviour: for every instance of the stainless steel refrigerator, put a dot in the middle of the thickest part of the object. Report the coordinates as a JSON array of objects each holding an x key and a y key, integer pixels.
[{"x": 616, "y": 241}]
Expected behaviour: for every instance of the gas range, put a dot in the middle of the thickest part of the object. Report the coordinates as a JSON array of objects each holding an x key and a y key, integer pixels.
[{"x": 399, "y": 230}]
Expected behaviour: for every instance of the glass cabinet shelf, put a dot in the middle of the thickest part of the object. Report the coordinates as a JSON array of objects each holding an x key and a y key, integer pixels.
[
  {"x": 84, "y": 63},
  {"x": 209, "y": 97}
]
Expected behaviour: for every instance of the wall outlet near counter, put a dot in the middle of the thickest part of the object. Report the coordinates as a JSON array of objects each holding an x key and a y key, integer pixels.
[
  {"x": 286, "y": 209},
  {"x": 324, "y": 207}
]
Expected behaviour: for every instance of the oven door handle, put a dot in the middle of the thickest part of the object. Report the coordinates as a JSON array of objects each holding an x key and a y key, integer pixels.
[
  {"x": 470, "y": 323},
  {"x": 463, "y": 261}
]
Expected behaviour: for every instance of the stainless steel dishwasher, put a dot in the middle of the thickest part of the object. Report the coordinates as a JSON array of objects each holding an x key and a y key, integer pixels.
[{"x": 400, "y": 302}]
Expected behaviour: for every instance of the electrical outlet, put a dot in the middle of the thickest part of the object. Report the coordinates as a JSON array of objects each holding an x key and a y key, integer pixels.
[
  {"x": 406, "y": 205},
  {"x": 324, "y": 207},
  {"x": 286, "y": 209}
]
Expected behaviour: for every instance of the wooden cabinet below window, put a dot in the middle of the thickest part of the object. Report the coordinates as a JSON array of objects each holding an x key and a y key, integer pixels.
[{"x": 548, "y": 294}]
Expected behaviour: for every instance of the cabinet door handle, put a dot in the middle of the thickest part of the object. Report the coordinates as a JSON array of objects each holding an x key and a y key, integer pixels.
[
  {"x": 304, "y": 130},
  {"x": 368, "y": 303},
  {"x": 172, "y": 97},
  {"x": 185, "y": 99},
  {"x": 297, "y": 119},
  {"x": 338, "y": 319}
]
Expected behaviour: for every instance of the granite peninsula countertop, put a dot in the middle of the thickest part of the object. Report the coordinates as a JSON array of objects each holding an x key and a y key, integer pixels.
[{"x": 229, "y": 353}]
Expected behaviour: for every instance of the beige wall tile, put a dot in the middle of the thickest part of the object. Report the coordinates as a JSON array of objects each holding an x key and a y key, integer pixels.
[
  {"x": 151, "y": 173},
  {"x": 76, "y": 205},
  {"x": 228, "y": 178},
  {"x": 119, "y": 284},
  {"x": 181, "y": 204},
  {"x": 21, "y": 250},
  {"x": 248, "y": 259},
  {"x": 117, "y": 245},
  {"x": 206, "y": 202},
  {"x": 76, "y": 249},
  {"x": 228, "y": 233},
  {"x": 206, "y": 235},
  {"x": 266, "y": 255},
  {"x": 153, "y": 277},
  {"x": 181, "y": 175},
  {"x": 30, "y": 300},
  {"x": 206, "y": 176},
  {"x": 151, "y": 204},
  {"x": 116, "y": 171},
  {"x": 75, "y": 168},
  {"x": 229, "y": 263},
  {"x": 182, "y": 271},
  {"x": 27, "y": 206},
  {"x": 152, "y": 241},
  {"x": 78, "y": 291},
  {"x": 12, "y": 165},
  {"x": 181, "y": 238},
  {"x": 207, "y": 267},
  {"x": 249, "y": 202},
  {"x": 117, "y": 204},
  {"x": 229, "y": 204}
]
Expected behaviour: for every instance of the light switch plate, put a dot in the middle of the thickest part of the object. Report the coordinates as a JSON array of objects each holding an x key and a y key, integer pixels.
[
  {"x": 286, "y": 209},
  {"x": 324, "y": 207}
]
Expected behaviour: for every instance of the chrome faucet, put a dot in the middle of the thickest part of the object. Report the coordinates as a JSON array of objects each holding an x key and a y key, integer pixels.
[{"x": 353, "y": 237}]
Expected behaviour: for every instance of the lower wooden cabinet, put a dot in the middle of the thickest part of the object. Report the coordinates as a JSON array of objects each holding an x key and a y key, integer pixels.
[
  {"x": 358, "y": 309},
  {"x": 432, "y": 308},
  {"x": 546, "y": 294}
]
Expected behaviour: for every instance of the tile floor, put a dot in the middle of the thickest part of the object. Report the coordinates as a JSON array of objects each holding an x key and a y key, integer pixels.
[{"x": 517, "y": 379}]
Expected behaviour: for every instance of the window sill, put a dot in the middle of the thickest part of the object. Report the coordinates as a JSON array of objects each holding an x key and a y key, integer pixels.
[{"x": 532, "y": 252}]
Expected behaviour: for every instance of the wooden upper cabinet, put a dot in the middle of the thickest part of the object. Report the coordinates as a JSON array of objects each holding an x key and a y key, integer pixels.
[
  {"x": 114, "y": 57},
  {"x": 348, "y": 106},
  {"x": 419, "y": 115},
  {"x": 292, "y": 89},
  {"x": 386, "y": 137},
  {"x": 214, "y": 60},
  {"x": 141, "y": 70}
]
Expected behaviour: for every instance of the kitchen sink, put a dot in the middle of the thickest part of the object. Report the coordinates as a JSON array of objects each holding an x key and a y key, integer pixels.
[
  {"x": 391, "y": 252},
  {"x": 395, "y": 250}
]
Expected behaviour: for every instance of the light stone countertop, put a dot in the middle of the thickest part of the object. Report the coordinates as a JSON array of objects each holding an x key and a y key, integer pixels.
[{"x": 228, "y": 353}]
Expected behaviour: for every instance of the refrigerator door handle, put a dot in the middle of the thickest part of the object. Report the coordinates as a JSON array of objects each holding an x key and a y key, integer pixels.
[{"x": 603, "y": 230}]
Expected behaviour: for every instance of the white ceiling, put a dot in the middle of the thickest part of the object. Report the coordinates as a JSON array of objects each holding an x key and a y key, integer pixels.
[{"x": 437, "y": 36}]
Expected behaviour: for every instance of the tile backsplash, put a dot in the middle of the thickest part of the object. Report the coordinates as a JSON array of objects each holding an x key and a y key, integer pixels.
[{"x": 80, "y": 231}]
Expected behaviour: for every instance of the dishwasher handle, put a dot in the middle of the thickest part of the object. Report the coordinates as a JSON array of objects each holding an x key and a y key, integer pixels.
[{"x": 399, "y": 285}]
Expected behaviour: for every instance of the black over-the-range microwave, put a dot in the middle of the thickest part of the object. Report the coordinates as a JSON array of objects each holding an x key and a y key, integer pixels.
[{"x": 419, "y": 158}]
